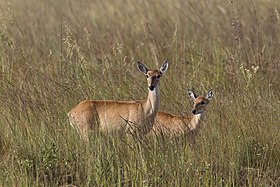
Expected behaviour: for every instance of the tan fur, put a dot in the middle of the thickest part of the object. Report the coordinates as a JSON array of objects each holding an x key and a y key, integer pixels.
[
  {"x": 119, "y": 116},
  {"x": 172, "y": 125}
]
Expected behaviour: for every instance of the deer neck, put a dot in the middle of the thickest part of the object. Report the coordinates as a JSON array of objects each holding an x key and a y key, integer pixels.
[
  {"x": 152, "y": 104},
  {"x": 196, "y": 120}
]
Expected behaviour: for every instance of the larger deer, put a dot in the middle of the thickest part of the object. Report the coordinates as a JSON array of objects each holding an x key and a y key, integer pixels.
[
  {"x": 120, "y": 116},
  {"x": 172, "y": 125}
]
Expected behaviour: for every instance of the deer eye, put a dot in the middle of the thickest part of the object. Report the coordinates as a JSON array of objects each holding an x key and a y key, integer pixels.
[
  {"x": 158, "y": 76},
  {"x": 202, "y": 103},
  {"x": 147, "y": 75}
]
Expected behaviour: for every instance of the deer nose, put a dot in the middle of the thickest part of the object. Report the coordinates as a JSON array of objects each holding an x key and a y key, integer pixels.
[
  {"x": 193, "y": 112},
  {"x": 151, "y": 88}
]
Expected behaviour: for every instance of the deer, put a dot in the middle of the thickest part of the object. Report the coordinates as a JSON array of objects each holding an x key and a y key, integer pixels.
[
  {"x": 121, "y": 117},
  {"x": 169, "y": 125}
]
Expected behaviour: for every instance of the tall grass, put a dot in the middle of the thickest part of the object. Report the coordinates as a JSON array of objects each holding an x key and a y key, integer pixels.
[{"x": 53, "y": 54}]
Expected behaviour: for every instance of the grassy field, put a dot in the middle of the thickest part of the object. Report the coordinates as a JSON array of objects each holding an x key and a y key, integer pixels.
[{"x": 54, "y": 54}]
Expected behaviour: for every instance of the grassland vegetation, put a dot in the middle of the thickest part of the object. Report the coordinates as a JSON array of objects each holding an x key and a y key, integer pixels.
[{"x": 54, "y": 54}]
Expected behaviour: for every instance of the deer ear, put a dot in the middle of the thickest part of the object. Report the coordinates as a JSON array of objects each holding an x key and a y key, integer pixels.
[
  {"x": 191, "y": 94},
  {"x": 142, "y": 68},
  {"x": 209, "y": 94},
  {"x": 164, "y": 67}
]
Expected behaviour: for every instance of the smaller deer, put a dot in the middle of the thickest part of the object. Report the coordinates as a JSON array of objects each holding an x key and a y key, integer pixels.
[{"x": 172, "y": 125}]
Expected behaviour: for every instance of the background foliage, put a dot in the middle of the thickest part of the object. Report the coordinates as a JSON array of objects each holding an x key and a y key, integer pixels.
[{"x": 54, "y": 54}]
